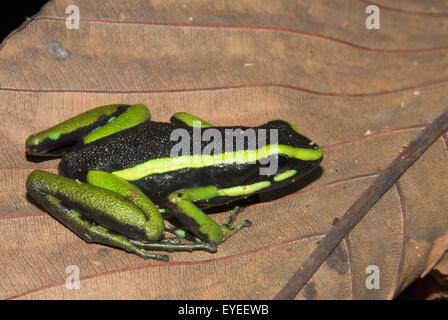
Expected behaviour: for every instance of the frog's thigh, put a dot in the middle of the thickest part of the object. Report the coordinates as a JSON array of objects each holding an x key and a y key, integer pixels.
[
  {"x": 189, "y": 120},
  {"x": 116, "y": 184}
]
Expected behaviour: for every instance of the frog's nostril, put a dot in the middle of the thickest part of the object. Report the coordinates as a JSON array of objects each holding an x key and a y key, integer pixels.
[{"x": 32, "y": 150}]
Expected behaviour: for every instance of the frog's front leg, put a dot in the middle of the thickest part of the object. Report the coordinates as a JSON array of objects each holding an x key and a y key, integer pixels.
[
  {"x": 85, "y": 128},
  {"x": 196, "y": 221}
]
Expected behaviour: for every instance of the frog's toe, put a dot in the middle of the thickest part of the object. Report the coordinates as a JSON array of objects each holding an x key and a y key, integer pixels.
[
  {"x": 247, "y": 223},
  {"x": 170, "y": 247},
  {"x": 158, "y": 257}
]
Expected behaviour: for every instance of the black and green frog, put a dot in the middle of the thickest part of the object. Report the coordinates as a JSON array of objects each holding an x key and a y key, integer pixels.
[{"x": 119, "y": 180}]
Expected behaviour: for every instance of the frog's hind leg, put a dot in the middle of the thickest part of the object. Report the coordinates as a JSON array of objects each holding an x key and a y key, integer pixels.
[
  {"x": 68, "y": 201},
  {"x": 95, "y": 233},
  {"x": 210, "y": 247},
  {"x": 85, "y": 128},
  {"x": 113, "y": 183}
]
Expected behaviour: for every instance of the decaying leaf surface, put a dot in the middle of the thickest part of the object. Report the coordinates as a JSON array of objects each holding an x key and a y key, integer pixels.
[{"x": 361, "y": 94}]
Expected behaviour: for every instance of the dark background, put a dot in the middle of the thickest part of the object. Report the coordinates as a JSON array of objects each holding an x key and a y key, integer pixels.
[{"x": 14, "y": 13}]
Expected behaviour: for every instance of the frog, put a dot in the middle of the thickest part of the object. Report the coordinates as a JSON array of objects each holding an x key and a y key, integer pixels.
[{"x": 119, "y": 183}]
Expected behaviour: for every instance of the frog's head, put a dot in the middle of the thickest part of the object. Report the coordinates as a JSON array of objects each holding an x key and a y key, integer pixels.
[
  {"x": 283, "y": 156},
  {"x": 289, "y": 154}
]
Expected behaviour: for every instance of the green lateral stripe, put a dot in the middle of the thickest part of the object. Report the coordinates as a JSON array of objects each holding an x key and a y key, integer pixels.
[
  {"x": 163, "y": 165},
  {"x": 285, "y": 175},
  {"x": 243, "y": 190}
]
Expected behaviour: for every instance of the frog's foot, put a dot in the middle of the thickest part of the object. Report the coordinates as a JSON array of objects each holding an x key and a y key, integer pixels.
[
  {"x": 171, "y": 240},
  {"x": 94, "y": 233},
  {"x": 227, "y": 229},
  {"x": 210, "y": 247}
]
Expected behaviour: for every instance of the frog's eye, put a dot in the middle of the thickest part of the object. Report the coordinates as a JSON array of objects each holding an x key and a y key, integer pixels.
[
  {"x": 274, "y": 164},
  {"x": 282, "y": 162}
]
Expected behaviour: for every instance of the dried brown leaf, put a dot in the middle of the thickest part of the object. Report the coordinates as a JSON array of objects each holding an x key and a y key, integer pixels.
[{"x": 244, "y": 62}]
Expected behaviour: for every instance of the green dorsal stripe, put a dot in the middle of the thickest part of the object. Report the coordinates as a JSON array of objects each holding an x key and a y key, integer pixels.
[{"x": 163, "y": 165}]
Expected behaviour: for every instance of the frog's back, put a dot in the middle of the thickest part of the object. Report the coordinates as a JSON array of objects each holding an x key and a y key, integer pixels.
[
  {"x": 125, "y": 149},
  {"x": 136, "y": 145},
  {"x": 143, "y": 155}
]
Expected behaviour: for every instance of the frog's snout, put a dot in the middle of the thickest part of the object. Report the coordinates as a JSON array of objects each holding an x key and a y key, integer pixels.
[
  {"x": 33, "y": 146},
  {"x": 315, "y": 163},
  {"x": 31, "y": 150}
]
